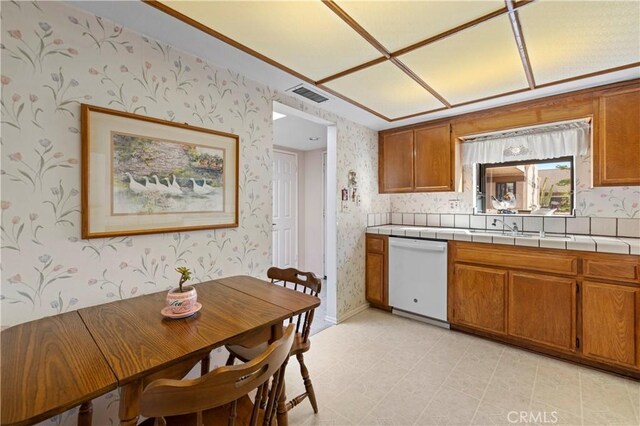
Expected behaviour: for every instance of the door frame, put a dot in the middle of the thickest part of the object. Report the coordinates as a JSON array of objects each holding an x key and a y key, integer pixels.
[
  {"x": 331, "y": 200},
  {"x": 297, "y": 203},
  {"x": 324, "y": 213}
]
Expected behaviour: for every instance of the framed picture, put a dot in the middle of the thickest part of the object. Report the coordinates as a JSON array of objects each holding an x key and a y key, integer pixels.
[{"x": 142, "y": 175}]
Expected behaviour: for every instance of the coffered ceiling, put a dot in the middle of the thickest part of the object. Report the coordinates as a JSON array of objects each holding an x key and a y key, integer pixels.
[{"x": 401, "y": 59}]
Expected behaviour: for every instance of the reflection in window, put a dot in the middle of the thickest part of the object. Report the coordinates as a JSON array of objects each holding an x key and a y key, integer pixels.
[
  {"x": 503, "y": 187},
  {"x": 539, "y": 187}
]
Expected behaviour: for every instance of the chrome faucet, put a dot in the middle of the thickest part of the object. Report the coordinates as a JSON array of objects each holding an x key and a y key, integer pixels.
[{"x": 513, "y": 228}]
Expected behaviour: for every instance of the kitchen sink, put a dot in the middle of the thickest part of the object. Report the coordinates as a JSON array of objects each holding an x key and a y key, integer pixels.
[
  {"x": 520, "y": 235},
  {"x": 487, "y": 231},
  {"x": 500, "y": 233},
  {"x": 558, "y": 237}
]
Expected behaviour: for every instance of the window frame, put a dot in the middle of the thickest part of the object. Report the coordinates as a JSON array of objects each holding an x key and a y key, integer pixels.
[{"x": 480, "y": 186}]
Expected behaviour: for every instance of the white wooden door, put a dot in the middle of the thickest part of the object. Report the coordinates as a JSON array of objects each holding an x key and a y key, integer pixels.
[{"x": 285, "y": 208}]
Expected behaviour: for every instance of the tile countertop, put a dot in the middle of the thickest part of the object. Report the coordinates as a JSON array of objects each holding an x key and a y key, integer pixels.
[{"x": 554, "y": 241}]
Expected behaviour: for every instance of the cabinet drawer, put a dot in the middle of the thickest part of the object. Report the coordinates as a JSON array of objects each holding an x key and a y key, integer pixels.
[
  {"x": 375, "y": 244},
  {"x": 518, "y": 258},
  {"x": 611, "y": 269}
]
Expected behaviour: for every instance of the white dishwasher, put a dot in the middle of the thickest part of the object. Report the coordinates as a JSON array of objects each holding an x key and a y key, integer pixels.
[{"x": 418, "y": 278}]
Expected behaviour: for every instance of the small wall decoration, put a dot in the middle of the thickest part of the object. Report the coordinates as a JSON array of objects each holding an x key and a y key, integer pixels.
[
  {"x": 353, "y": 182},
  {"x": 142, "y": 175},
  {"x": 353, "y": 187},
  {"x": 350, "y": 194}
]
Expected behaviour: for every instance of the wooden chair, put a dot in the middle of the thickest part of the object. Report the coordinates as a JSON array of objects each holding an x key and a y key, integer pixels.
[
  {"x": 221, "y": 396},
  {"x": 307, "y": 283}
]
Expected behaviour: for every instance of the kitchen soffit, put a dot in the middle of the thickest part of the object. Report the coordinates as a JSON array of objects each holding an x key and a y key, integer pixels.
[{"x": 343, "y": 47}]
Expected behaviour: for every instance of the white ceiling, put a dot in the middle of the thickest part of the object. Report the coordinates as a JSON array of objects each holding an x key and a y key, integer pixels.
[
  {"x": 295, "y": 129},
  {"x": 564, "y": 40}
]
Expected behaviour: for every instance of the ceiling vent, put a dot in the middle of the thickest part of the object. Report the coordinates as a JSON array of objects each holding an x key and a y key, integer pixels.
[{"x": 308, "y": 93}]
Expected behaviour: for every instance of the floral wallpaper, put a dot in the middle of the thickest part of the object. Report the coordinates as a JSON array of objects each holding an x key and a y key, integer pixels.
[
  {"x": 620, "y": 202},
  {"x": 352, "y": 220},
  {"x": 55, "y": 57},
  {"x": 436, "y": 202}
]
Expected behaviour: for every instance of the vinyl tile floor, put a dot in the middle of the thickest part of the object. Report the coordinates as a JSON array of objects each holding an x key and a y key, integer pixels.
[{"x": 381, "y": 369}]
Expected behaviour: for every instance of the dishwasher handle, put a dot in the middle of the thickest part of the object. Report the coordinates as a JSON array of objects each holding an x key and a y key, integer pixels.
[{"x": 422, "y": 245}]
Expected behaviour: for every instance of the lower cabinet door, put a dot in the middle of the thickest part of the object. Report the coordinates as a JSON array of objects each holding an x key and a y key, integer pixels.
[
  {"x": 542, "y": 309},
  {"x": 479, "y": 297},
  {"x": 375, "y": 279},
  {"x": 610, "y": 323}
]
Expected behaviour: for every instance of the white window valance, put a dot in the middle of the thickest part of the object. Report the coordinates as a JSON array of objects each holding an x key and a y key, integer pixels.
[{"x": 550, "y": 141}]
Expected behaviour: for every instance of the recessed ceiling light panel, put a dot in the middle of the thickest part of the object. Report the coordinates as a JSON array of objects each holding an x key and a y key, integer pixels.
[
  {"x": 386, "y": 89},
  {"x": 476, "y": 63},
  {"x": 571, "y": 38},
  {"x": 302, "y": 35},
  {"x": 398, "y": 24}
]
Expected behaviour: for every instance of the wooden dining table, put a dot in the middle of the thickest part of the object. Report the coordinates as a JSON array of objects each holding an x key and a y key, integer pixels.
[
  {"x": 49, "y": 366},
  {"x": 128, "y": 343}
]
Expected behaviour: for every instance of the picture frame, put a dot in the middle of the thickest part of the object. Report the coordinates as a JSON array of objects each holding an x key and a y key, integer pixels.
[{"x": 143, "y": 175}]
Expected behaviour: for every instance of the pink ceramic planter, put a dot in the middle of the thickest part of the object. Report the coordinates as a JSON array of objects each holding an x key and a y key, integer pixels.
[{"x": 184, "y": 302}]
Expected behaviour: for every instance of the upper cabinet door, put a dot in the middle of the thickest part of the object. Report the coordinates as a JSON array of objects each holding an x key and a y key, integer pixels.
[
  {"x": 617, "y": 138},
  {"x": 395, "y": 168},
  {"x": 433, "y": 162}
]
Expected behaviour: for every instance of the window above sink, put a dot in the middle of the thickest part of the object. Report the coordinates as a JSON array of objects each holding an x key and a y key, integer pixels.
[
  {"x": 530, "y": 187},
  {"x": 527, "y": 171}
]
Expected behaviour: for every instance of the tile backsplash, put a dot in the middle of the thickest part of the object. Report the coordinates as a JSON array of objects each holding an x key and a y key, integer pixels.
[
  {"x": 609, "y": 227},
  {"x": 377, "y": 219}
]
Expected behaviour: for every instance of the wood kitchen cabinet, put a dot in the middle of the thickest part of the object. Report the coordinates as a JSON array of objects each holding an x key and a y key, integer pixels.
[
  {"x": 611, "y": 323},
  {"x": 396, "y": 162},
  {"x": 616, "y": 141},
  {"x": 417, "y": 160},
  {"x": 542, "y": 309},
  {"x": 376, "y": 272},
  {"x": 479, "y": 297},
  {"x": 580, "y": 306},
  {"x": 434, "y": 159},
  {"x": 422, "y": 157}
]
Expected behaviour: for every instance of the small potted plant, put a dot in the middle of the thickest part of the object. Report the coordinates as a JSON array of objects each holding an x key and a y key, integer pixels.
[{"x": 182, "y": 300}]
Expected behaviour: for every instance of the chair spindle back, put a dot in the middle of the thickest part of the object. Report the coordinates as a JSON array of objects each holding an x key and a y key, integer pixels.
[{"x": 305, "y": 282}]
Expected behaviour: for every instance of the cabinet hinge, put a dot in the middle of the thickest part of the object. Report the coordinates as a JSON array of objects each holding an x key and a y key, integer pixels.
[{"x": 577, "y": 342}]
